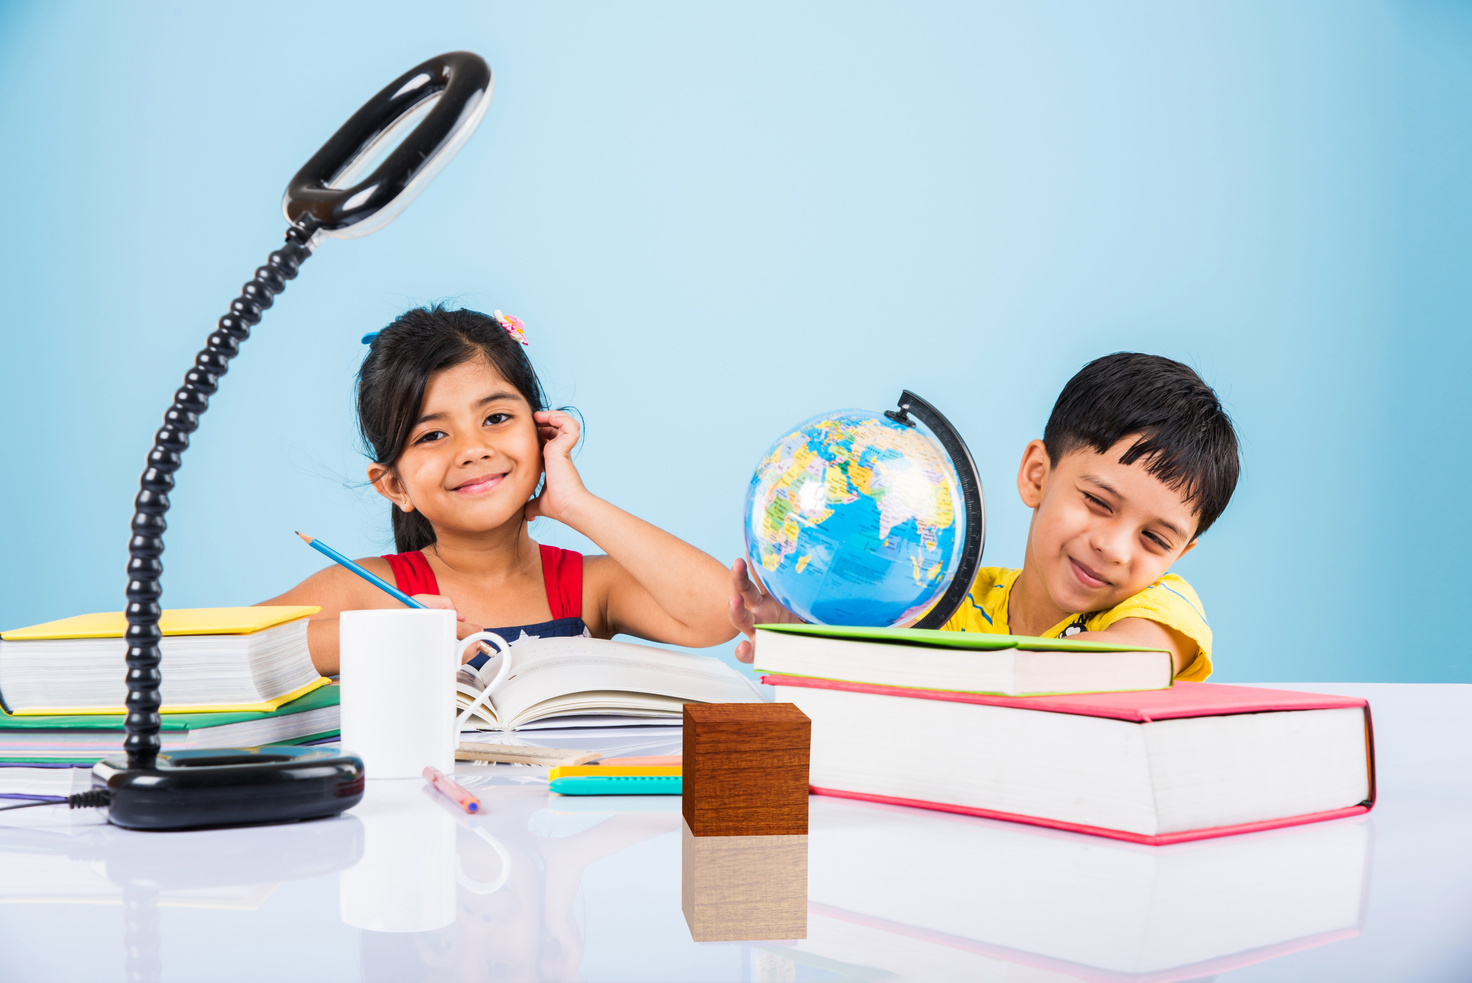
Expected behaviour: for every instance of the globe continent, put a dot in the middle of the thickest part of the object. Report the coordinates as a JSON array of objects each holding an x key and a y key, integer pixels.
[{"x": 853, "y": 519}]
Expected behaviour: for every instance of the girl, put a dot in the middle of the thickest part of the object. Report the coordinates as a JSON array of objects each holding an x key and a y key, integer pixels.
[{"x": 456, "y": 423}]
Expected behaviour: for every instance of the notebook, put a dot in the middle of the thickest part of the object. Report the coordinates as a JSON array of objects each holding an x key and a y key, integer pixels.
[
  {"x": 1159, "y": 766},
  {"x": 214, "y": 660},
  {"x": 969, "y": 662}
]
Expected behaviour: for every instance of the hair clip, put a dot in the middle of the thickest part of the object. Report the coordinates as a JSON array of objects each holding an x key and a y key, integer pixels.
[
  {"x": 368, "y": 338},
  {"x": 513, "y": 326}
]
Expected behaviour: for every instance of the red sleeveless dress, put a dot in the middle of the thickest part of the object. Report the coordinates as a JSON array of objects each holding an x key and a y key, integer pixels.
[{"x": 562, "y": 575}]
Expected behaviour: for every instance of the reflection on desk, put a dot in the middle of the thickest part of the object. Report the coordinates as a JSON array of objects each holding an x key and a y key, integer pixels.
[
  {"x": 946, "y": 897},
  {"x": 741, "y": 888},
  {"x": 585, "y": 887}
]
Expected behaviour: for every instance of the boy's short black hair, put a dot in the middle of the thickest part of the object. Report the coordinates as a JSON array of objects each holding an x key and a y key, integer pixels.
[{"x": 1184, "y": 435}]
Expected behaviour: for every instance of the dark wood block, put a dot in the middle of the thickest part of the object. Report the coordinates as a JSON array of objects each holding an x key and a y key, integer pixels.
[{"x": 745, "y": 769}]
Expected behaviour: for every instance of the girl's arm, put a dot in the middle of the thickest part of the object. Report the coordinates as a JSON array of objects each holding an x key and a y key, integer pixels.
[
  {"x": 335, "y": 590},
  {"x": 650, "y": 584}
]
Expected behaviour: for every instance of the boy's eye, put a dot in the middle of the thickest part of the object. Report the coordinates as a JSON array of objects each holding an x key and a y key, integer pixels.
[
  {"x": 1158, "y": 541},
  {"x": 1095, "y": 500}
]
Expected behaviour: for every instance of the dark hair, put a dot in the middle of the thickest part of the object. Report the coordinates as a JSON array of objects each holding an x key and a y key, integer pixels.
[
  {"x": 391, "y": 383},
  {"x": 1182, "y": 433}
]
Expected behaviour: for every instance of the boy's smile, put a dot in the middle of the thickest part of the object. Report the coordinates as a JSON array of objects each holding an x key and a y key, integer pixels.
[{"x": 1101, "y": 532}]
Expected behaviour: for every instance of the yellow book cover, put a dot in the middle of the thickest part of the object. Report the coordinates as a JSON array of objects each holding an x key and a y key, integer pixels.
[{"x": 179, "y": 621}]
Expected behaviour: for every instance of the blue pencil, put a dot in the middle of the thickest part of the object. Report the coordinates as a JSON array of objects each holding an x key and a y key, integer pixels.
[{"x": 378, "y": 582}]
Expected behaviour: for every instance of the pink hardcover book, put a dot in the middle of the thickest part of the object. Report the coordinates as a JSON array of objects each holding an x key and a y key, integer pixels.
[{"x": 1181, "y": 700}]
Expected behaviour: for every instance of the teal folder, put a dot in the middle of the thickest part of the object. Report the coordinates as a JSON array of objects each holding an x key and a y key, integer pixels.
[{"x": 617, "y": 785}]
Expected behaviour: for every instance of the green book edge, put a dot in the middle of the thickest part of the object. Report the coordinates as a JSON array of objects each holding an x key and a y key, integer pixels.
[
  {"x": 322, "y": 696},
  {"x": 8, "y": 760},
  {"x": 935, "y": 638}
]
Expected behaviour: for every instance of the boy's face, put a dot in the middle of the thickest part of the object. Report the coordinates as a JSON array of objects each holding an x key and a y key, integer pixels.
[{"x": 1101, "y": 531}]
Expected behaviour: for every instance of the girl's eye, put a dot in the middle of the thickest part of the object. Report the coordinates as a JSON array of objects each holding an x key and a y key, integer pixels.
[
  {"x": 496, "y": 418},
  {"x": 425, "y": 438}
]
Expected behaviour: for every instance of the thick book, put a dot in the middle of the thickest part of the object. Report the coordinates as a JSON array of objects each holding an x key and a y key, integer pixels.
[
  {"x": 956, "y": 898},
  {"x": 572, "y": 679},
  {"x": 215, "y": 660},
  {"x": 1159, "y": 766},
  {"x": 966, "y": 662},
  {"x": 85, "y": 738},
  {"x": 49, "y": 782}
]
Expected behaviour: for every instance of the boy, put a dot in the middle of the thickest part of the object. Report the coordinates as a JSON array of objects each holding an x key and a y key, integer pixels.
[{"x": 1138, "y": 460}]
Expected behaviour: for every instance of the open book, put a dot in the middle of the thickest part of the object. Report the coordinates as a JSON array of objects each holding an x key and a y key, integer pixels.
[{"x": 591, "y": 677}]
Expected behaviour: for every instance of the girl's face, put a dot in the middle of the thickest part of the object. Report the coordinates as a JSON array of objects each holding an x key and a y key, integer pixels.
[{"x": 473, "y": 457}]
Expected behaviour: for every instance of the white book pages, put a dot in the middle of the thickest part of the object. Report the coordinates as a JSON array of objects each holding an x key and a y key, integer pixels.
[
  {"x": 199, "y": 669},
  {"x": 24, "y": 780},
  {"x": 1008, "y": 672},
  {"x": 274, "y": 728},
  {"x": 566, "y": 677},
  {"x": 1167, "y": 776}
]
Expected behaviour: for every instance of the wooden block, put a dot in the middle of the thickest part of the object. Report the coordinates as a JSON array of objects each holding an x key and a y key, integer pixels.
[
  {"x": 744, "y": 888},
  {"x": 746, "y": 769}
]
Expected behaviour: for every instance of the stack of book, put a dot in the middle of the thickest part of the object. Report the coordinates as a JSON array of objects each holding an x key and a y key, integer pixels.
[
  {"x": 1062, "y": 733},
  {"x": 232, "y": 677}
]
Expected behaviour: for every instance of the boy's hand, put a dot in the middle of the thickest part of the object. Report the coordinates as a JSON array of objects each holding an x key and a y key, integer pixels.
[
  {"x": 750, "y": 607},
  {"x": 563, "y": 486},
  {"x": 463, "y": 628}
]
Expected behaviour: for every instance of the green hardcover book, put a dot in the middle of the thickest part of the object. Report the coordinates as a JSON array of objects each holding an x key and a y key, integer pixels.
[
  {"x": 963, "y": 662},
  {"x": 85, "y": 738}
]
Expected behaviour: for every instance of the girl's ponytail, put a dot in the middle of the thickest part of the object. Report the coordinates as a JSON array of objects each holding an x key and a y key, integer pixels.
[{"x": 412, "y": 530}]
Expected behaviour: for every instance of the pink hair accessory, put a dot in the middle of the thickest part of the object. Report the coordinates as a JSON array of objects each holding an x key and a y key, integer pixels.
[{"x": 513, "y": 326}]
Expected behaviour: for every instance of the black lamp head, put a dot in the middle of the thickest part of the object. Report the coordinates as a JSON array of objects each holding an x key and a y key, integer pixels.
[
  {"x": 435, "y": 106},
  {"x": 440, "y": 102}
]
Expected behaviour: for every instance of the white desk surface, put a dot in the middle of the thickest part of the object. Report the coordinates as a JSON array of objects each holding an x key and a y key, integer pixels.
[{"x": 572, "y": 890}]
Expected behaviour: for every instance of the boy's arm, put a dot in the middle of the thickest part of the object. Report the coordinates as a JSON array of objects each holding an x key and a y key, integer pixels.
[{"x": 1146, "y": 634}]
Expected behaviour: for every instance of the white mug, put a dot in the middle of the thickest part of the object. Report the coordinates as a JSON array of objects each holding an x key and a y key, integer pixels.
[{"x": 398, "y": 688}]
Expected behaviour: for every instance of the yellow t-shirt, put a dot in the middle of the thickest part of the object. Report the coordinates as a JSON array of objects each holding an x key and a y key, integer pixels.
[{"x": 1169, "y": 601}]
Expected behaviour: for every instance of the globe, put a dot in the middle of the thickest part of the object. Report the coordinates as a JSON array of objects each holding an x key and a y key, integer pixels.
[{"x": 854, "y": 518}]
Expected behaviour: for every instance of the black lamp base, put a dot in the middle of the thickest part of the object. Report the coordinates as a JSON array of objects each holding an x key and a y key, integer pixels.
[{"x": 230, "y": 787}]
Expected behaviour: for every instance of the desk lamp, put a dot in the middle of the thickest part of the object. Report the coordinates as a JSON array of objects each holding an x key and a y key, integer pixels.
[{"x": 435, "y": 106}]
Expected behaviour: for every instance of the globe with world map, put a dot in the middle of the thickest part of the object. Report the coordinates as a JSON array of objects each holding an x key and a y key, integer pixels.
[{"x": 855, "y": 519}]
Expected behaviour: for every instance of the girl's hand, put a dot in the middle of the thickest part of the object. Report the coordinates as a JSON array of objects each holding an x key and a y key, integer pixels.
[
  {"x": 463, "y": 628},
  {"x": 750, "y": 607},
  {"x": 562, "y": 490}
]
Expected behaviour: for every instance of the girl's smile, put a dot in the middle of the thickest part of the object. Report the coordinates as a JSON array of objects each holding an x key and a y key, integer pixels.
[{"x": 484, "y": 483}]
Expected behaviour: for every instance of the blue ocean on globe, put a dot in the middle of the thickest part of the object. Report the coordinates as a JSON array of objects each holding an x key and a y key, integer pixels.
[{"x": 854, "y": 519}]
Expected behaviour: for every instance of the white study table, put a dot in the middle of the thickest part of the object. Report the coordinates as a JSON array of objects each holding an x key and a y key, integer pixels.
[{"x": 591, "y": 889}]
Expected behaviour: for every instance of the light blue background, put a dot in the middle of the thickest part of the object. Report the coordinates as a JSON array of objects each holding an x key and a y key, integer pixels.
[{"x": 719, "y": 221}]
